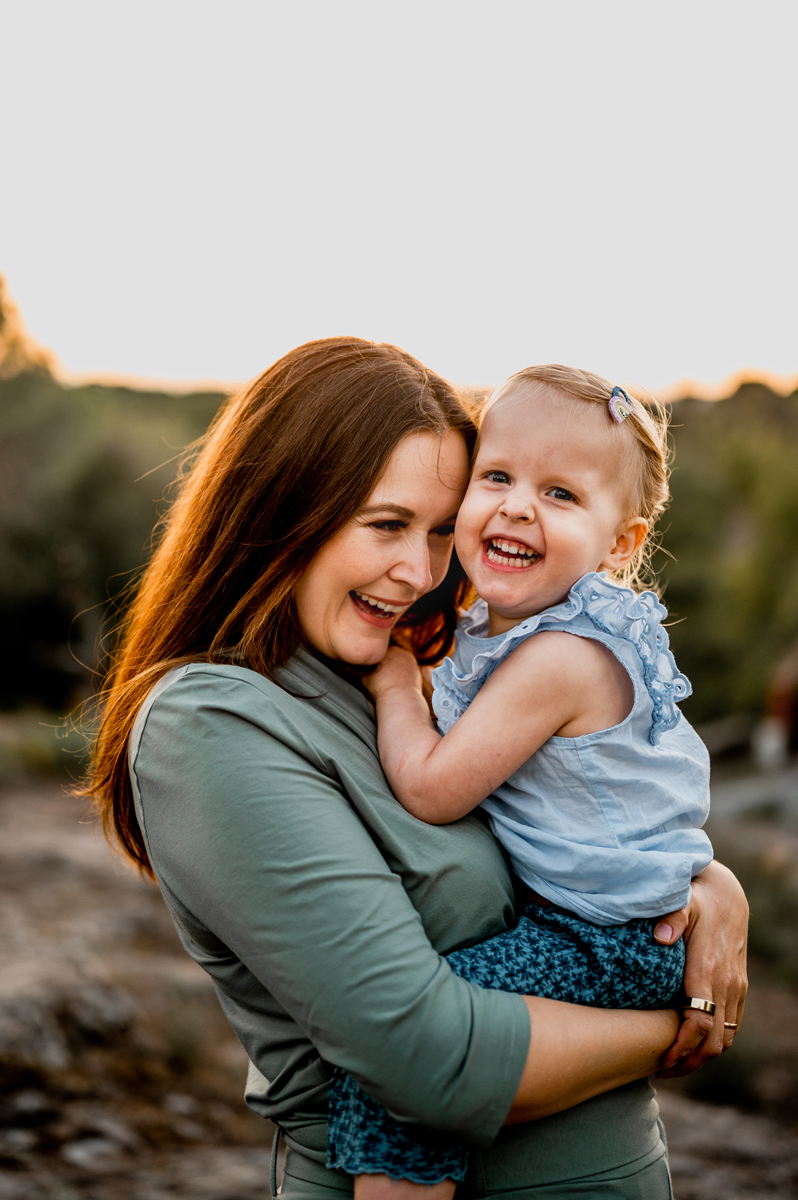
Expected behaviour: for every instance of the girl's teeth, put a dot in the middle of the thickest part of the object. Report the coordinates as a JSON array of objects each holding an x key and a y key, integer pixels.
[
  {"x": 522, "y": 555},
  {"x": 511, "y": 548}
]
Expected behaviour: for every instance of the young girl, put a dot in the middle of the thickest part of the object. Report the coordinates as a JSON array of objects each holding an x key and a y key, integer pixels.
[{"x": 559, "y": 706}]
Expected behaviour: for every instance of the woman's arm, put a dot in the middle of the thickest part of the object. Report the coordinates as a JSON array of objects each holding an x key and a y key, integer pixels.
[
  {"x": 584, "y": 1046},
  {"x": 715, "y": 929},
  {"x": 576, "y": 1053}
]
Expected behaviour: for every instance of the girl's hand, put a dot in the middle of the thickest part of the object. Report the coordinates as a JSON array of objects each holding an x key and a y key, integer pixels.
[
  {"x": 398, "y": 670},
  {"x": 715, "y": 928}
]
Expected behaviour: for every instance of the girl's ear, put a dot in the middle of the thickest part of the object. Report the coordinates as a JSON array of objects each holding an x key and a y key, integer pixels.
[{"x": 628, "y": 539}]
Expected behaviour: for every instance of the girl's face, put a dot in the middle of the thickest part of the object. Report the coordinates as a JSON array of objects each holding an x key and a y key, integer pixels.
[
  {"x": 397, "y": 548},
  {"x": 546, "y": 502}
]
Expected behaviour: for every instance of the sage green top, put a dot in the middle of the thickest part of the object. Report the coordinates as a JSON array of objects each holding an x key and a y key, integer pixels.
[{"x": 320, "y": 908}]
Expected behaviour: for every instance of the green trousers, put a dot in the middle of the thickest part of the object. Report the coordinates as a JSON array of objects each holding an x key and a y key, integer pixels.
[{"x": 646, "y": 1178}]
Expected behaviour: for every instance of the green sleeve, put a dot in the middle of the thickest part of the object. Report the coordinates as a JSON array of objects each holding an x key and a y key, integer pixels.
[{"x": 250, "y": 828}]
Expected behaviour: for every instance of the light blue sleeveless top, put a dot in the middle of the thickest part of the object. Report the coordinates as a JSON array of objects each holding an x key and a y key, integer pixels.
[{"x": 606, "y": 825}]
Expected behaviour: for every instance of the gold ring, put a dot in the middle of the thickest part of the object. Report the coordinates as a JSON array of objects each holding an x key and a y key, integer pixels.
[
  {"x": 730, "y": 1024},
  {"x": 707, "y": 1006}
]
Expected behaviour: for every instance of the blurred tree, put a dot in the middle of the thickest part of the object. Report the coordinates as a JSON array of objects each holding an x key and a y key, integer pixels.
[
  {"x": 83, "y": 476},
  {"x": 732, "y": 585},
  {"x": 18, "y": 351}
]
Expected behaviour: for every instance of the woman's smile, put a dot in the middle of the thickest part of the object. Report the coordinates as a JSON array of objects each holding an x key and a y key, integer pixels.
[
  {"x": 396, "y": 549},
  {"x": 380, "y": 613}
]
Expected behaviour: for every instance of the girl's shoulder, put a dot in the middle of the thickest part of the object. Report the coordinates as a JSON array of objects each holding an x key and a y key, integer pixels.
[{"x": 627, "y": 622}]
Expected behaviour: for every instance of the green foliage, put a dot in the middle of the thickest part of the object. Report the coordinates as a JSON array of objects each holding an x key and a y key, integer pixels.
[
  {"x": 732, "y": 528},
  {"x": 83, "y": 476}
]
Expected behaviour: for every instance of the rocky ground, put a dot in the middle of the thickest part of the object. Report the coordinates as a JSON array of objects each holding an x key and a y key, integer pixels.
[{"x": 119, "y": 1079}]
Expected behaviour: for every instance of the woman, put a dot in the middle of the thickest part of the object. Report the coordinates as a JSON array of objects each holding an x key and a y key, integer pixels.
[{"x": 237, "y": 760}]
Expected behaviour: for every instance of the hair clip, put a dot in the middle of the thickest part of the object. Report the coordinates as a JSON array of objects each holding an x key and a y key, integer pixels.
[{"x": 619, "y": 409}]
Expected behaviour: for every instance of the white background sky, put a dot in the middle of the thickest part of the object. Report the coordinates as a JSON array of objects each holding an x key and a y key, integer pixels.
[{"x": 191, "y": 188}]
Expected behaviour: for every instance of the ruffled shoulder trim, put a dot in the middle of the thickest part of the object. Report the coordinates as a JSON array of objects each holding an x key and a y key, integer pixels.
[
  {"x": 614, "y": 610},
  {"x": 637, "y": 618},
  {"x": 474, "y": 620}
]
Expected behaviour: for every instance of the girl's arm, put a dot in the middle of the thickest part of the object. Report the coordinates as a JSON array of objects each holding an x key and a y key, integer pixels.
[{"x": 554, "y": 682}]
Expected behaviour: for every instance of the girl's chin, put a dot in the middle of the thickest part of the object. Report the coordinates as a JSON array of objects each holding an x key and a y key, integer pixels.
[{"x": 502, "y": 596}]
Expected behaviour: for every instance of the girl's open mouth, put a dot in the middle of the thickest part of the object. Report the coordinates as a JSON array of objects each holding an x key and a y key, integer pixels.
[
  {"x": 505, "y": 552},
  {"x": 377, "y": 612}
]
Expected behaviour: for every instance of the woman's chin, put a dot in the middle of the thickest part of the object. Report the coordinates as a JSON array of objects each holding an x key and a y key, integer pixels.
[
  {"x": 365, "y": 650},
  {"x": 369, "y": 656}
]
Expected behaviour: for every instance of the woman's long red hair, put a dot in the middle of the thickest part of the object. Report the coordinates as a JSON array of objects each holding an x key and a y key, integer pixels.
[{"x": 286, "y": 463}]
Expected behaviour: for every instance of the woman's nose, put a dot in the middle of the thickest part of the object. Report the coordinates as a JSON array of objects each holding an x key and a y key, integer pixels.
[{"x": 415, "y": 569}]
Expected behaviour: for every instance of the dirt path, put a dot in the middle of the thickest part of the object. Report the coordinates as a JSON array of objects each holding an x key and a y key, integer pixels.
[{"x": 119, "y": 1078}]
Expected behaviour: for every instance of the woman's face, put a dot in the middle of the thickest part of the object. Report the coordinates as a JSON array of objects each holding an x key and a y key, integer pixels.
[{"x": 397, "y": 548}]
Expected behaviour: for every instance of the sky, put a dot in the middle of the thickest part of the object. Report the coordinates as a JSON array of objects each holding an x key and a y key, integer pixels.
[{"x": 189, "y": 189}]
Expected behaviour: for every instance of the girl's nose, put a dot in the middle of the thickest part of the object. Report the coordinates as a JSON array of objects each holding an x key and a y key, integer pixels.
[{"x": 517, "y": 510}]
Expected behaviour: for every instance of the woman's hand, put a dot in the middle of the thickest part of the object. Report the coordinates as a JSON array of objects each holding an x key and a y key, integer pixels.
[
  {"x": 715, "y": 928},
  {"x": 398, "y": 670}
]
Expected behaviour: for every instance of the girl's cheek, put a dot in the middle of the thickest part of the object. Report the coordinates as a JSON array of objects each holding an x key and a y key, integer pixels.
[
  {"x": 462, "y": 538},
  {"x": 471, "y": 517}
]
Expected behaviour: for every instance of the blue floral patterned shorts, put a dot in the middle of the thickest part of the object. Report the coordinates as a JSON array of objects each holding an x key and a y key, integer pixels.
[{"x": 549, "y": 953}]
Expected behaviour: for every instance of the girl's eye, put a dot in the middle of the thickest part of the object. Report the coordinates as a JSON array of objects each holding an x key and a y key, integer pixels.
[
  {"x": 497, "y": 477},
  {"x": 559, "y": 493}
]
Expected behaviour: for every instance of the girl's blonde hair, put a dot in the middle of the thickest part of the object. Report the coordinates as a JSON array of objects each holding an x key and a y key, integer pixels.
[{"x": 647, "y": 424}]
